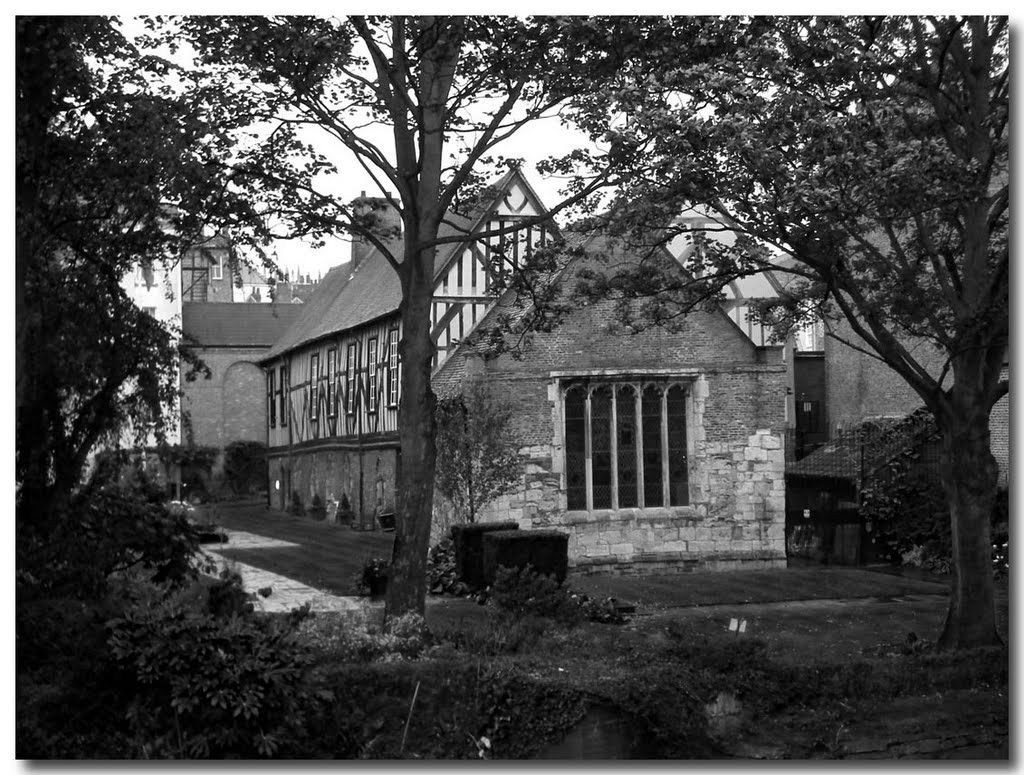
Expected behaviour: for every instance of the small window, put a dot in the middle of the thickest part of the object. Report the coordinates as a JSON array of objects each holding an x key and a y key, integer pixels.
[
  {"x": 218, "y": 267},
  {"x": 314, "y": 384},
  {"x": 393, "y": 377},
  {"x": 371, "y": 375},
  {"x": 332, "y": 367},
  {"x": 271, "y": 399},
  {"x": 350, "y": 378},
  {"x": 282, "y": 392}
]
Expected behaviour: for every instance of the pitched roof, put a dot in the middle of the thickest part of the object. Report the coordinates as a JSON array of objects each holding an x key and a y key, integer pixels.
[
  {"x": 348, "y": 297},
  {"x": 227, "y": 324}
]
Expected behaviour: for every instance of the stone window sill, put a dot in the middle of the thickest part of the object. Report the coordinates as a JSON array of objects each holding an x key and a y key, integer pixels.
[{"x": 657, "y": 514}]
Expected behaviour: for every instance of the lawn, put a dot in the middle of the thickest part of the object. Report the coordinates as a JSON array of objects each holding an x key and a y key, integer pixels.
[{"x": 328, "y": 556}]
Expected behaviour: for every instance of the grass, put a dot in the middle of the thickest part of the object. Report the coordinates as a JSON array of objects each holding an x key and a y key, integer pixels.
[
  {"x": 325, "y": 557},
  {"x": 328, "y": 556}
]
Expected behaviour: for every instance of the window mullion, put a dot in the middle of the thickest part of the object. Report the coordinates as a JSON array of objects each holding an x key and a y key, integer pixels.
[
  {"x": 639, "y": 448},
  {"x": 615, "y": 449},
  {"x": 664, "y": 448},
  {"x": 588, "y": 454}
]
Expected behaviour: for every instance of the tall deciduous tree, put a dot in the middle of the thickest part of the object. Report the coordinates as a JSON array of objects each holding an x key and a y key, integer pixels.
[
  {"x": 873, "y": 153},
  {"x": 111, "y": 172},
  {"x": 419, "y": 103}
]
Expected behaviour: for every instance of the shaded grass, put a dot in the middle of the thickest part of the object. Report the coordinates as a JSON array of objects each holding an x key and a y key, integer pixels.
[{"x": 754, "y": 586}]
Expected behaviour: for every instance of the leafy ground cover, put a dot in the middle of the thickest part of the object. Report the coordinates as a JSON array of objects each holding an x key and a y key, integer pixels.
[{"x": 144, "y": 675}]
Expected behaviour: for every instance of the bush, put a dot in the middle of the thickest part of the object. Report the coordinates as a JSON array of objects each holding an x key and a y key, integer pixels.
[
  {"x": 296, "y": 508},
  {"x": 442, "y": 570},
  {"x": 245, "y": 466},
  {"x": 103, "y": 531},
  {"x": 907, "y": 506},
  {"x": 546, "y": 550},
  {"x": 525, "y": 592},
  {"x": 209, "y": 686},
  {"x": 338, "y": 640},
  {"x": 373, "y": 575},
  {"x": 316, "y": 509},
  {"x": 345, "y": 513}
]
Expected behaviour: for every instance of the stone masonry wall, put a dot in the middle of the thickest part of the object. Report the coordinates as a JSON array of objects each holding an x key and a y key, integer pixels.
[{"x": 736, "y": 516}]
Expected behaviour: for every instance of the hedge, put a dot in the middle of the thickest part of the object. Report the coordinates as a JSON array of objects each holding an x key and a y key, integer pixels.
[
  {"x": 469, "y": 558},
  {"x": 546, "y": 550}
]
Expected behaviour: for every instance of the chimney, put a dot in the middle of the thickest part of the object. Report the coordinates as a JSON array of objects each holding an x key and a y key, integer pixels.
[
  {"x": 384, "y": 219},
  {"x": 283, "y": 292}
]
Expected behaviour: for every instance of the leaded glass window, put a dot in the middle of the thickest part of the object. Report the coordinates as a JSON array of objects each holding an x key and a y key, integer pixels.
[{"x": 625, "y": 445}]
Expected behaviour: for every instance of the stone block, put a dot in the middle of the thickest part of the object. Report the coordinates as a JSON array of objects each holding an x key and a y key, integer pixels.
[
  {"x": 751, "y": 454},
  {"x": 622, "y": 550},
  {"x": 771, "y": 442}
]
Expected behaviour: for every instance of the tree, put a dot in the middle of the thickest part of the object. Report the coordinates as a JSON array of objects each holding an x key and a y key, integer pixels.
[
  {"x": 873, "y": 154},
  {"x": 420, "y": 103},
  {"x": 478, "y": 450},
  {"x": 111, "y": 172}
]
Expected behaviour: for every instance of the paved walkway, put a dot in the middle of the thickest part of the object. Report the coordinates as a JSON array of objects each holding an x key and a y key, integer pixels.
[{"x": 285, "y": 593}]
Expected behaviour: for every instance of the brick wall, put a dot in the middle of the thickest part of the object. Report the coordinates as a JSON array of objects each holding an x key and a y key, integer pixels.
[
  {"x": 860, "y": 386},
  {"x": 231, "y": 404},
  {"x": 366, "y": 477}
]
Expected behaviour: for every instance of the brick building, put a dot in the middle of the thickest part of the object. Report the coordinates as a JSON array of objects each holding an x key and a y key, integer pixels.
[
  {"x": 207, "y": 276},
  {"x": 658, "y": 449},
  {"x": 860, "y": 387},
  {"x": 229, "y": 338}
]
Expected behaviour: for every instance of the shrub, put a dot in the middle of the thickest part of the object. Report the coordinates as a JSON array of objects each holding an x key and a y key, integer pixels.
[
  {"x": 295, "y": 507},
  {"x": 468, "y": 543},
  {"x": 546, "y": 550},
  {"x": 345, "y": 513},
  {"x": 103, "y": 531},
  {"x": 316, "y": 509},
  {"x": 906, "y": 503},
  {"x": 245, "y": 466},
  {"x": 373, "y": 575},
  {"x": 339, "y": 640},
  {"x": 208, "y": 686},
  {"x": 442, "y": 570},
  {"x": 525, "y": 592}
]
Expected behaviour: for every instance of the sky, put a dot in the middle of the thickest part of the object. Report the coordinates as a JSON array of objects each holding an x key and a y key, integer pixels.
[
  {"x": 539, "y": 139},
  {"x": 535, "y": 141}
]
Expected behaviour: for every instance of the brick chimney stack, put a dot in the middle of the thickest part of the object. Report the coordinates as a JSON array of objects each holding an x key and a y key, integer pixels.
[{"x": 387, "y": 227}]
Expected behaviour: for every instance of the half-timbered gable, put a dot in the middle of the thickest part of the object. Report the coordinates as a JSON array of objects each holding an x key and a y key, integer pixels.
[{"x": 333, "y": 379}]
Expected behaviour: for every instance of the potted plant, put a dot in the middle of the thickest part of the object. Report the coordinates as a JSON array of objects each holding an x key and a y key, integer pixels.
[{"x": 374, "y": 576}]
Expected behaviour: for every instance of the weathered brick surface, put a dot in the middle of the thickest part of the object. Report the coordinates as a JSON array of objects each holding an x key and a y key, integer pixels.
[
  {"x": 859, "y": 387},
  {"x": 330, "y": 473},
  {"x": 231, "y": 404}
]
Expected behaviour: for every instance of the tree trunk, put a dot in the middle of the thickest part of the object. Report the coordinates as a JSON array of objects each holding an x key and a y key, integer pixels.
[
  {"x": 407, "y": 588},
  {"x": 970, "y": 479}
]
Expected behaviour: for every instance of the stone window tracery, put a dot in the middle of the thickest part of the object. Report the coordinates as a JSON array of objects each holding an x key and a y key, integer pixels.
[{"x": 625, "y": 444}]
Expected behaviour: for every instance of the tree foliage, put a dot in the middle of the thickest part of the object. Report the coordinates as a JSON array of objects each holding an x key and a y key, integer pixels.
[
  {"x": 420, "y": 104},
  {"x": 477, "y": 451},
  {"x": 113, "y": 171},
  {"x": 871, "y": 154}
]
